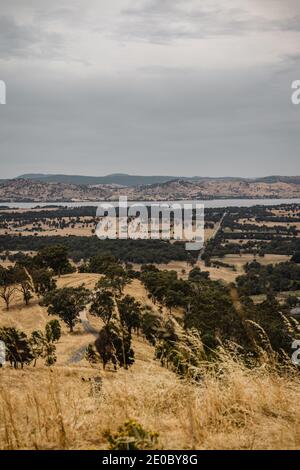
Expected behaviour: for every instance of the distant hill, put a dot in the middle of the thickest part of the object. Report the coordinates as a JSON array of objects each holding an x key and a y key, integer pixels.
[
  {"x": 279, "y": 179},
  {"x": 39, "y": 190},
  {"x": 117, "y": 178},
  {"x": 123, "y": 179}
]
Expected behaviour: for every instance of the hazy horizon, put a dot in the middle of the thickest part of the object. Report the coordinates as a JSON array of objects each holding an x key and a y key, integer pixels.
[{"x": 154, "y": 174}]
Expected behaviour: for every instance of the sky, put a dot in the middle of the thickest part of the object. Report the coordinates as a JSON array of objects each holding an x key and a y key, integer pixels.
[{"x": 153, "y": 87}]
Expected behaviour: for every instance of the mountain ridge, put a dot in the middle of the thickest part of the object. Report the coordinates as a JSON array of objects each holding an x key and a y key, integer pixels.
[
  {"x": 124, "y": 179},
  {"x": 26, "y": 190}
]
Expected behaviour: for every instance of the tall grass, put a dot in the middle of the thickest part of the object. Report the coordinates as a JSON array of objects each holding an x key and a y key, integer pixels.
[{"x": 232, "y": 407}]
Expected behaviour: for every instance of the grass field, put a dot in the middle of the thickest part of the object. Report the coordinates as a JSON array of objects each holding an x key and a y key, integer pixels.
[{"x": 58, "y": 408}]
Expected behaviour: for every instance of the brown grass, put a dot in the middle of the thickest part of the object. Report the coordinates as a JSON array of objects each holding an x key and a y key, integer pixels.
[
  {"x": 243, "y": 409},
  {"x": 42, "y": 408}
]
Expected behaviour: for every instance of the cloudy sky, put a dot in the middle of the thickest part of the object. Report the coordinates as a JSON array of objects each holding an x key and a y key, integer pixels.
[{"x": 177, "y": 87}]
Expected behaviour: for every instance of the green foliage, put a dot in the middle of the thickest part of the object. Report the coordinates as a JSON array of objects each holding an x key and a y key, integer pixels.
[
  {"x": 151, "y": 325},
  {"x": 17, "y": 346},
  {"x": 24, "y": 282},
  {"x": 133, "y": 251},
  {"x": 196, "y": 275},
  {"x": 181, "y": 350},
  {"x": 42, "y": 344},
  {"x": 53, "y": 331},
  {"x": 132, "y": 436},
  {"x": 212, "y": 313},
  {"x": 115, "y": 280},
  {"x": 130, "y": 313},
  {"x": 269, "y": 315},
  {"x": 165, "y": 287},
  {"x": 7, "y": 285},
  {"x": 114, "y": 345},
  {"x": 67, "y": 303},
  {"x": 167, "y": 339},
  {"x": 43, "y": 281},
  {"x": 261, "y": 279},
  {"x": 99, "y": 263},
  {"x": 103, "y": 305},
  {"x": 56, "y": 258}
]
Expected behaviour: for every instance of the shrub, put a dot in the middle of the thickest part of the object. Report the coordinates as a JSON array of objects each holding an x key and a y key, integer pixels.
[{"x": 132, "y": 436}]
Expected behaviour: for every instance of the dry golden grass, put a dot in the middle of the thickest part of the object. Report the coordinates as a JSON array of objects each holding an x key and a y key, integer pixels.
[
  {"x": 56, "y": 409},
  {"x": 240, "y": 261},
  {"x": 219, "y": 274},
  {"x": 224, "y": 274},
  {"x": 82, "y": 228}
]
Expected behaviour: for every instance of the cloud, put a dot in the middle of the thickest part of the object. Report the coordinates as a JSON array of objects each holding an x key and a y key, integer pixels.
[
  {"x": 163, "y": 21},
  {"x": 172, "y": 86},
  {"x": 26, "y": 40}
]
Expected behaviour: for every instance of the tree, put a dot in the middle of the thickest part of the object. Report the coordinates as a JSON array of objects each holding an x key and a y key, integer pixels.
[
  {"x": 101, "y": 262},
  {"x": 91, "y": 355},
  {"x": 37, "y": 341},
  {"x": 50, "y": 354},
  {"x": 167, "y": 339},
  {"x": 268, "y": 315},
  {"x": 56, "y": 258},
  {"x": 151, "y": 324},
  {"x": 67, "y": 303},
  {"x": 115, "y": 280},
  {"x": 17, "y": 346},
  {"x": 43, "y": 281},
  {"x": 7, "y": 285},
  {"x": 196, "y": 275},
  {"x": 42, "y": 344},
  {"x": 23, "y": 280},
  {"x": 103, "y": 305},
  {"x": 114, "y": 346},
  {"x": 210, "y": 310},
  {"x": 53, "y": 331},
  {"x": 130, "y": 313},
  {"x": 172, "y": 299}
]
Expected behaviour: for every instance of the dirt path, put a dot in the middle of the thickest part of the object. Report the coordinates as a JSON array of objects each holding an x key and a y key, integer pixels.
[{"x": 78, "y": 355}]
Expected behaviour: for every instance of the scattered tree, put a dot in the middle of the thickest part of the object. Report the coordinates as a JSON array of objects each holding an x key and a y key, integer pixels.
[
  {"x": 130, "y": 313},
  {"x": 67, "y": 303},
  {"x": 103, "y": 305},
  {"x": 114, "y": 346},
  {"x": 7, "y": 285},
  {"x": 43, "y": 281},
  {"x": 17, "y": 346}
]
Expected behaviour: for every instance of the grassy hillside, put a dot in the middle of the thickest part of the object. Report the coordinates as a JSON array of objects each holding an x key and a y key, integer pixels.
[{"x": 62, "y": 407}]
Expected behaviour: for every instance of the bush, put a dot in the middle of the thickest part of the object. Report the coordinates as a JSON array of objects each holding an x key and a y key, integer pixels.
[{"x": 132, "y": 436}]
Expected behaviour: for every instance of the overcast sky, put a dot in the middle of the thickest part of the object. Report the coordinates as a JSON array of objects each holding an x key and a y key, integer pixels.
[{"x": 174, "y": 87}]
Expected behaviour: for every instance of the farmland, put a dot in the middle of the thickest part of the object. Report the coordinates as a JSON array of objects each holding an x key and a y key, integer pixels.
[{"x": 64, "y": 398}]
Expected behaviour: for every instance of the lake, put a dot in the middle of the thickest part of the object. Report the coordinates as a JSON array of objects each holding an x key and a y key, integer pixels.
[{"x": 213, "y": 203}]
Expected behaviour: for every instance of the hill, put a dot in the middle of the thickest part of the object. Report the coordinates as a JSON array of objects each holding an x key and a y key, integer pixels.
[
  {"x": 26, "y": 190},
  {"x": 117, "y": 178},
  {"x": 123, "y": 179}
]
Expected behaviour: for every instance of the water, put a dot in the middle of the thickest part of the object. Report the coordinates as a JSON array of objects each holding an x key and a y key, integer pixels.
[{"x": 214, "y": 203}]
